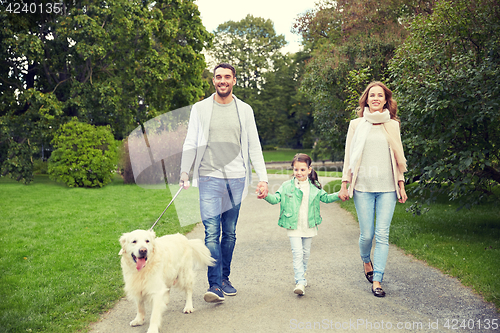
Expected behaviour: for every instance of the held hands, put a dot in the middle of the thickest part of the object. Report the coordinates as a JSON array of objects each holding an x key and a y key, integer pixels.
[
  {"x": 184, "y": 182},
  {"x": 262, "y": 190},
  {"x": 343, "y": 194}
]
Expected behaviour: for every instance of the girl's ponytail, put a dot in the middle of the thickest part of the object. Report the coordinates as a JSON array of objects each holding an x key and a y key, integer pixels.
[{"x": 313, "y": 176}]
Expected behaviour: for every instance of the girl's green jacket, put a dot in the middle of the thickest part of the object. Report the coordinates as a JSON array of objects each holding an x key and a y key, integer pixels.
[{"x": 290, "y": 197}]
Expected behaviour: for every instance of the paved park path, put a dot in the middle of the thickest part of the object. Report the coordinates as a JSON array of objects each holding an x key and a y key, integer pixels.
[{"x": 338, "y": 298}]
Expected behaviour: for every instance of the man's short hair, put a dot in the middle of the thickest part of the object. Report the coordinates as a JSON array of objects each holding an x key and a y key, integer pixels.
[{"x": 227, "y": 66}]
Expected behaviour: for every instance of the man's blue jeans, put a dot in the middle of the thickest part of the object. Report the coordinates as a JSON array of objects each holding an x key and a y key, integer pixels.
[
  {"x": 369, "y": 204},
  {"x": 220, "y": 202}
]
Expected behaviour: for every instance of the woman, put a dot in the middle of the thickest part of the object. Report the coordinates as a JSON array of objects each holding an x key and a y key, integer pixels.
[{"x": 374, "y": 164}]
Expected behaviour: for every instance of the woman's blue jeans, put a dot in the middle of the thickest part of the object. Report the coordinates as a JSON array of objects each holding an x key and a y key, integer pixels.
[
  {"x": 220, "y": 202},
  {"x": 368, "y": 205},
  {"x": 301, "y": 250}
]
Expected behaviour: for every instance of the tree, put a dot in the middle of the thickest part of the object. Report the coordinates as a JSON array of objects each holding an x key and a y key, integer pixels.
[
  {"x": 114, "y": 63},
  {"x": 208, "y": 78},
  {"x": 346, "y": 36},
  {"x": 283, "y": 114},
  {"x": 266, "y": 79},
  {"x": 252, "y": 47},
  {"x": 447, "y": 81}
]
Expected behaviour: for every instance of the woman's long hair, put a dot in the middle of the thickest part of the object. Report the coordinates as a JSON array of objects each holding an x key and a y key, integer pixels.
[
  {"x": 313, "y": 176},
  {"x": 390, "y": 103}
]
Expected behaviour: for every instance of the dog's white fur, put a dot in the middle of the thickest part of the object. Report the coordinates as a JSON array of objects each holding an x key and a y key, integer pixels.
[{"x": 170, "y": 261}]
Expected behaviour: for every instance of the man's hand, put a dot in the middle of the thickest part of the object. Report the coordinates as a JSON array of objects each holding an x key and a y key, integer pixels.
[
  {"x": 261, "y": 190},
  {"x": 184, "y": 180}
]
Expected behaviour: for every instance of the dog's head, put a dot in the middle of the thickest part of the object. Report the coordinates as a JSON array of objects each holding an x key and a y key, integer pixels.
[{"x": 139, "y": 245}]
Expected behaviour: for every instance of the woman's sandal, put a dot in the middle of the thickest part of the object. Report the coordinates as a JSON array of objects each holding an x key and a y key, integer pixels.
[{"x": 369, "y": 275}]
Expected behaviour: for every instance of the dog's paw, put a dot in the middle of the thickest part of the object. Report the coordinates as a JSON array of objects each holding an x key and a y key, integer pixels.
[
  {"x": 188, "y": 309},
  {"x": 137, "y": 322}
]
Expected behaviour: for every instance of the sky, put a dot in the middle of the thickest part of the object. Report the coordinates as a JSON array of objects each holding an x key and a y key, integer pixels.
[{"x": 282, "y": 12}]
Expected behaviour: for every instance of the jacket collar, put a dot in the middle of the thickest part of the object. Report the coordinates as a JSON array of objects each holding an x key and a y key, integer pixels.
[{"x": 313, "y": 190}]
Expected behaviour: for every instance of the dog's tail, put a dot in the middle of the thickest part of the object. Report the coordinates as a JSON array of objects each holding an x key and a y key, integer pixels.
[{"x": 201, "y": 253}]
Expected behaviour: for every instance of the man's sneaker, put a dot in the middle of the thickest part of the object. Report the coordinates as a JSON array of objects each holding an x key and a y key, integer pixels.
[
  {"x": 214, "y": 295},
  {"x": 299, "y": 289},
  {"x": 228, "y": 289}
]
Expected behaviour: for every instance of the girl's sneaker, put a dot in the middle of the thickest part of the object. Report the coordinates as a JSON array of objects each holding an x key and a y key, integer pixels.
[{"x": 299, "y": 289}]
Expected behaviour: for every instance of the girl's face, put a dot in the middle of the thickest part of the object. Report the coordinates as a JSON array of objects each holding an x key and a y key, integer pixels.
[
  {"x": 301, "y": 171},
  {"x": 376, "y": 99}
]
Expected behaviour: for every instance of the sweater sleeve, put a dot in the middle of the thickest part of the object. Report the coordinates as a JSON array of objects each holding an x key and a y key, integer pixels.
[
  {"x": 191, "y": 142},
  {"x": 254, "y": 148},
  {"x": 346, "y": 171}
]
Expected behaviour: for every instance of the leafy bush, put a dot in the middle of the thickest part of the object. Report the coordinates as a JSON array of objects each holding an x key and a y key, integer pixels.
[
  {"x": 18, "y": 163},
  {"x": 40, "y": 167},
  {"x": 269, "y": 147},
  {"x": 84, "y": 156},
  {"x": 15, "y": 156}
]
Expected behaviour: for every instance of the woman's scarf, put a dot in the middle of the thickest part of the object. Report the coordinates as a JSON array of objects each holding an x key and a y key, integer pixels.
[{"x": 362, "y": 131}]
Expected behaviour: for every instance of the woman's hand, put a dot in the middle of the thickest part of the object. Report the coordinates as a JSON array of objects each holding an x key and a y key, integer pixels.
[
  {"x": 402, "y": 191},
  {"x": 343, "y": 194}
]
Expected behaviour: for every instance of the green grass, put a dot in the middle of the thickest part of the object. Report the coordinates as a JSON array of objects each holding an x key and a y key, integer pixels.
[
  {"x": 286, "y": 155},
  {"x": 60, "y": 267},
  {"x": 464, "y": 244},
  {"x": 283, "y": 154},
  {"x": 59, "y": 250},
  {"x": 290, "y": 172}
]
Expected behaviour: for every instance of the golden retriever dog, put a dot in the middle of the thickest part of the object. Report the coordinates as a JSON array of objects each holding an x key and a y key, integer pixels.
[{"x": 151, "y": 266}]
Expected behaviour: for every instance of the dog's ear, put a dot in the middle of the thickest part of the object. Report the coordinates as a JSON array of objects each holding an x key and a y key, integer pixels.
[
  {"x": 152, "y": 237},
  {"x": 123, "y": 241}
]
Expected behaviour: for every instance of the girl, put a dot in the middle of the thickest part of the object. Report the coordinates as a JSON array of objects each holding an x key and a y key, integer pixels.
[{"x": 299, "y": 213}]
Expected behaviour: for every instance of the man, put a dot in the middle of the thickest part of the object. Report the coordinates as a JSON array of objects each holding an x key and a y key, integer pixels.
[{"x": 221, "y": 140}]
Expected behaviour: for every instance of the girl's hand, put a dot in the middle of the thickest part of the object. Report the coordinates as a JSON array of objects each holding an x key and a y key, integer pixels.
[{"x": 262, "y": 190}]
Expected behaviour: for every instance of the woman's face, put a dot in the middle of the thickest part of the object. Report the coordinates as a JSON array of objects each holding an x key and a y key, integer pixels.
[
  {"x": 376, "y": 99},
  {"x": 301, "y": 171}
]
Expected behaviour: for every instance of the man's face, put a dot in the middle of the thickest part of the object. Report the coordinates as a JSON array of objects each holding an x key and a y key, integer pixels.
[{"x": 224, "y": 81}]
